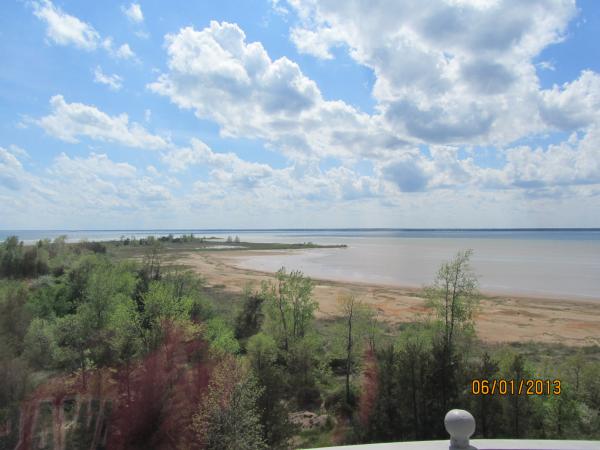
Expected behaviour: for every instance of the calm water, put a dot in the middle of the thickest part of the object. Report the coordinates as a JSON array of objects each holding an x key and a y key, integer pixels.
[{"x": 548, "y": 263}]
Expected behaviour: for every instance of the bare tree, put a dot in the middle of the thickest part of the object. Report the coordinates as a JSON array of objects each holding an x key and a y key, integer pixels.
[{"x": 355, "y": 315}]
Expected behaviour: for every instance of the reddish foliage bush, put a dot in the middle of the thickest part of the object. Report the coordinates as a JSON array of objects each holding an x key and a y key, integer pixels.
[
  {"x": 368, "y": 395},
  {"x": 165, "y": 391}
]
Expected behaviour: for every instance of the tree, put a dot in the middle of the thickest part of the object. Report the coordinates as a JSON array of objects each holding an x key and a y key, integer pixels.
[
  {"x": 109, "y": 288},
  {"x": 221, "y": 338},
  {"x": 250, "y": 318},
  {"x": 374, "y": 329},
  {"x": 414, "y": 375},
  {"x": 590, "y": 381},
  {"x": 125, "y": 338},
  {"x": 262, "y": 354},
  {"x": 49, "y": 298},
  {"x": 228, "y": 417},
  {"x": 303, "y": 361},
  {"x": 187, "y": 286},
  {"x": 15, "y": 376},
  {"x": 262, "y": 351},
  {"x": 518, "y": 409},
  {"x": 166, "y": 390},
  {"x": 11, "y": 255},
  {"x": 562, "y": 414},
  {"x": 386, "y": 422},
  {"x": 290, "y": 306},
  {"x": 14, "y": 315},
  {"x": 73, "y": 344},
  {"x": 487, "y": 408},
  {"x": 162, "y": 307},
  {"x": 77, "y": 277},
  {"x": 574, "y": 365},
  {"x": 453, "y": 297},
  {"x": 152, "y": 262},
  {"x": 354, "y": 331},
  {"x": 40, "y": 343}
]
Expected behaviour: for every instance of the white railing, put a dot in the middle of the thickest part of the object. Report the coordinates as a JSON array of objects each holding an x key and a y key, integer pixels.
[{"x": 460, "y": 425}]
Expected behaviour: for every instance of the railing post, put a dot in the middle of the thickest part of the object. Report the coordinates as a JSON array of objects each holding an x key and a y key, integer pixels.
[{"x": 460, "y": 424}]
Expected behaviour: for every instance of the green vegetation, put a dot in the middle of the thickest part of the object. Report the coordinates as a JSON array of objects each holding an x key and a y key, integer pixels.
[{"x": 158, "y": 360}]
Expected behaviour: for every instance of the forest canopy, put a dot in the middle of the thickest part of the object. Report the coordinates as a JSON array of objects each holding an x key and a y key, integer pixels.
[{"x": 169, "y": 363}]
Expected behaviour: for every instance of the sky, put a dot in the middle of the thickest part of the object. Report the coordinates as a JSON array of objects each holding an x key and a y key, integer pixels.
[{"x": 299, "y": 114}]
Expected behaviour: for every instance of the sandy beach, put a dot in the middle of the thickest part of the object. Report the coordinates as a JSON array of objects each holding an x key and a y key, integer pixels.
[{"x": 499, "y": 319}]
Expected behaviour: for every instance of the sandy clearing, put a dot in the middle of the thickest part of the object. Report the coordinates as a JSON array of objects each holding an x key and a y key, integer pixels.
[{"x": 500, "y": 318}]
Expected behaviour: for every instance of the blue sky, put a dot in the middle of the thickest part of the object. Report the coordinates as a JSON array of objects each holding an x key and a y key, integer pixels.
[{"x": 299, "y": 114}]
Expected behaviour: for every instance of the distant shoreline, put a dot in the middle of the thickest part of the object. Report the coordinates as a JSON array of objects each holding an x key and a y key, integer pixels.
[{"x": 105, "y": 235}]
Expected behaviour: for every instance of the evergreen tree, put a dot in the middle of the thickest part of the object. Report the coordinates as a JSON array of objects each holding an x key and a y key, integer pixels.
[
  {"x": 250, "y": 318},
  {"x": 262, "y": 353}
]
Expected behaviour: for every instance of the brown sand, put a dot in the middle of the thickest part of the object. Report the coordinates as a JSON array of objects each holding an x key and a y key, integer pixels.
[{"x": 499, "y": 318}]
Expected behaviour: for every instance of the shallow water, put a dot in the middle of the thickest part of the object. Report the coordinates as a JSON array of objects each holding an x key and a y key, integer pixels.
[{"x": 561, "y": 268}]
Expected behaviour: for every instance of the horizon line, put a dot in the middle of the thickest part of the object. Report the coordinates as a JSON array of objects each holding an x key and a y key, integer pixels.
[{"x": 309, "y": 229}]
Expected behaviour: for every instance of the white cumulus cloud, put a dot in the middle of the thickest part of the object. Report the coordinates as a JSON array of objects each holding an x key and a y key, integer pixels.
[
  {"x": 573, "y": 105},
  {"x": 70, "y": 121},
  {"x": 11, "y": 170},
  {"x": 133, "y": 12},
  {"x": 220, "y": 76},
  {"x": 65, "y": 29},
  {"x": 449, "y": 72},
  {"x": 114, "y": 82}
]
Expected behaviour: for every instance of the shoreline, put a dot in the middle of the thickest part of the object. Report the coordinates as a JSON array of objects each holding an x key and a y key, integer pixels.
[
  {"x": 234, "y": 254},
  {"x": 500, "y": 317}
]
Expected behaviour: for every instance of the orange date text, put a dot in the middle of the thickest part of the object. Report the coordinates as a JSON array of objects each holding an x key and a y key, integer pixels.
[{"x": 515, "y": 387}]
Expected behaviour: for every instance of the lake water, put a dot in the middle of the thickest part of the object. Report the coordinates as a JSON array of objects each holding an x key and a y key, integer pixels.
[{"x": 544, "y": 263}]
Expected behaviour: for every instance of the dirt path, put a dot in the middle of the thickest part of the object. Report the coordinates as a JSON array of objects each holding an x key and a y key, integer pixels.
[{"x": 500, "y": 319}]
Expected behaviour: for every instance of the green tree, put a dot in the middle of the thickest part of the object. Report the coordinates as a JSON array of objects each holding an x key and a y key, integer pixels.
[
  {"x": 11, "y": 256},
  {"x": 108, "y": 287},
  {"x": 125, "y": 338},
  {"x": 573, "y": 367},
  {"x": 49, "y": 298},
  {"x": 152, "y": 261},
  {"x": 386, "y": 421},
  {"x": 221, "y": 338},
  {"x": 518, "y": 409},
  {"x": 73, "y": 344},
  {"x": 590, "y": 380},
  {"x": 15, "y": 376},
  {"x": 161, "y": 308},
  {"x": 262, "y": 353},
  {"x": 290, "y": 307},
  {"x": 250, "y": 318},
  {"x": 487, "y": 408},
  {"x": 374, "y": 328},
  {"x": 562, "y": 415},
  {"x": 303, "y": 364},
  {"x": 14, "y": 315},
  {"x": 453, "y": 297},
  {"x": 40, "y": 343},
  {"x": 414, "y": 358}
]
